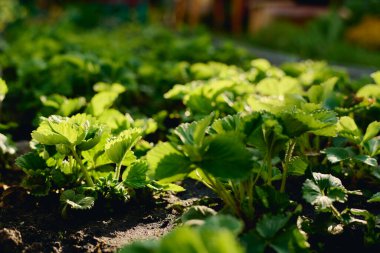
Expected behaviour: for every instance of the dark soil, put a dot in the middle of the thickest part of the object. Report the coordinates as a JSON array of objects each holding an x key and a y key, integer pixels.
[{"x": 30, "y": 224}]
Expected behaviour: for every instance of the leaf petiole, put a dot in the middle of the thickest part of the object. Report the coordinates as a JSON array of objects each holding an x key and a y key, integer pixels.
[{"x": 84, "y": 170}]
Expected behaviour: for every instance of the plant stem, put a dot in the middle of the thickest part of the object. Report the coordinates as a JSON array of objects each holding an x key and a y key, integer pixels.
[
  {"x": 251, "y": 185},
  {"x": 117, "y": 172},
  {"x": 269, "y": 168},
  {"x": 257, "y": 176},
  {"x": 288, "y": 157},
  {"x": 203, "y": 180},
  {"x": 224, "y": 194},
  {"x": 84, "y": 170},
  {"x": 336, "y": 212},
  {"x": 269, "y": 163}
]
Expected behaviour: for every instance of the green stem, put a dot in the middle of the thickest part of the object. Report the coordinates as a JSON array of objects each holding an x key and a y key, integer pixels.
[
  {"x": 224, "y": 195},
  {"x": 257, "y": 176},
  {"x": 288, "y": 157},
  {"x": 336, "y": 212},
  {"x": 117, "y": 172},
  {"x": 84, "y": 170},
  {"x": 203, "y": 180},
  {"x": 269, "y": 168},
  {"x": 251, "y": 185},
  {"x": 269, "y": 163}
]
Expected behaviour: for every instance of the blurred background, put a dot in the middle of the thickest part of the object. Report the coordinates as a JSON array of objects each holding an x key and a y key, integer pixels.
[
  {"x": 55, "y": 50},
  {"x": 343, "y": 31}
]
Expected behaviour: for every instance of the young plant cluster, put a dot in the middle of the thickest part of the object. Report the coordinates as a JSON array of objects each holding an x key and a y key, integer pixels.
[
  {"x": 250, "y": 134},
  {"x": 257, "y": 130}
]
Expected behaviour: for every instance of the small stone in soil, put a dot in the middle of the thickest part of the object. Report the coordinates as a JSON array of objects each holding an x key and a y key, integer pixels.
[{"x": 10, "y": 240}]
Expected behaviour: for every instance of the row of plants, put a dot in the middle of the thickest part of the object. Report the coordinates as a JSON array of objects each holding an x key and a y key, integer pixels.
[
  {"x": 247, "y": 135},
  {"x": 290, "y": 151},
  {"x": 67, "y": 59},
  {"x": 283, "y": 130}
]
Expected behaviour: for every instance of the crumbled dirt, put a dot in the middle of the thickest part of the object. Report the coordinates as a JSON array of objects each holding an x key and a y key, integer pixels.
[
  {"x": 39, "y": 223},
  {"x": 10, "y": 240},
  {"x": 42, "y": 228}
]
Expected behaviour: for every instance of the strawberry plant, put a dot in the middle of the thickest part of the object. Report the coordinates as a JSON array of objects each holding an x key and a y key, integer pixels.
[
  {"x": 234, "y": 154},
  {"x": 81, "y": 156},
  {"x": 290, "y": 152}
]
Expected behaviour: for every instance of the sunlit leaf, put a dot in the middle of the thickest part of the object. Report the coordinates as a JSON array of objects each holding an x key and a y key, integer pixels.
[
  {"x": 226, "y": 157},
  {"x": 323, "y": 191},
  {"x": 167, "y": 164},
  {"x": 117, "y": 147}
]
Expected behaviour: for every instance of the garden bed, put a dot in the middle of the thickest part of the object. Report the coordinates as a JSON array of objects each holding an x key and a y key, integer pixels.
[
  {"x": 200, "y": 148},
  {"x": 30, "y": 224}
]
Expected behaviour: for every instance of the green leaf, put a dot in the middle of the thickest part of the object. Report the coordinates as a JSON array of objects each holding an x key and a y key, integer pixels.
[
  {"x": 71, "y": 105},
  {"x": 204, "y": 97},
  {"x": 187, "y": 240},
  {"x": 272, "y": 199},
  {"x": 269, "y": 225},
  {"x": 96, "y": 156},
  {"x": 267, "y": 135},
  {"x": 376, "y": 77},
  {"x": 64, "y": 106},
  {"x": 320, "y": 94},
  {"x": 286, "y": 238},
  {"x": 291, "y": 240},
  {"x": 115, "y": 120},
  {"x": 369, "y": 91},
  {"x": 220, "y": 241},
  {"x": 147, "y": 246},
  {"x": 375, "y": 198},
  {"x": 261, "y": 64},
  {"x": 335, "y": 155},
  {"x": 297, "y": 166},
  {"x": 184, "y": 240},
  {"x": 309, "y": 118},
  {"x": 115, "y": 87},
  {"x": 224, "y": 221},
  {"x": 135, "y": 175},
  {"x": 372, "y": 130},
  {"x": 37, "y": 182},
  {"x": 193, "y": 133},
  {"x": 76, "y": 201},
  {"x": 101, "y": 101},
  {"x": 160, "y": 186},
  {"x": 129, "y": 158},
  {"x": 31, "y": 161},
  {"x": 3, "y": 89},
  {"x": 347, "y": 128},
  {"x": 71, "y": 131},
  {"x": 230, "y": 123},
  {"x": 74, "y": 129},
  {"x": 366, "y": 159},
  {"x": 179, "y": 91},
  {"x": 323, "y": 190},
  {"x": 117, "y": 147},
  {"x": 372, "y": 146},
  {"x": 45, "y": 135},
  {"x": 191, "y": 137},
  {"x": 167, "y": 164},
  {"x": 254, "y": 242},
  {"x": 214, "y": 236},
  {"x": 197, "y": 213},
  {"x": 274, "y": 87},
  {"x": 226, "y": 157},
  {"x": 93, "y": 137}
]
